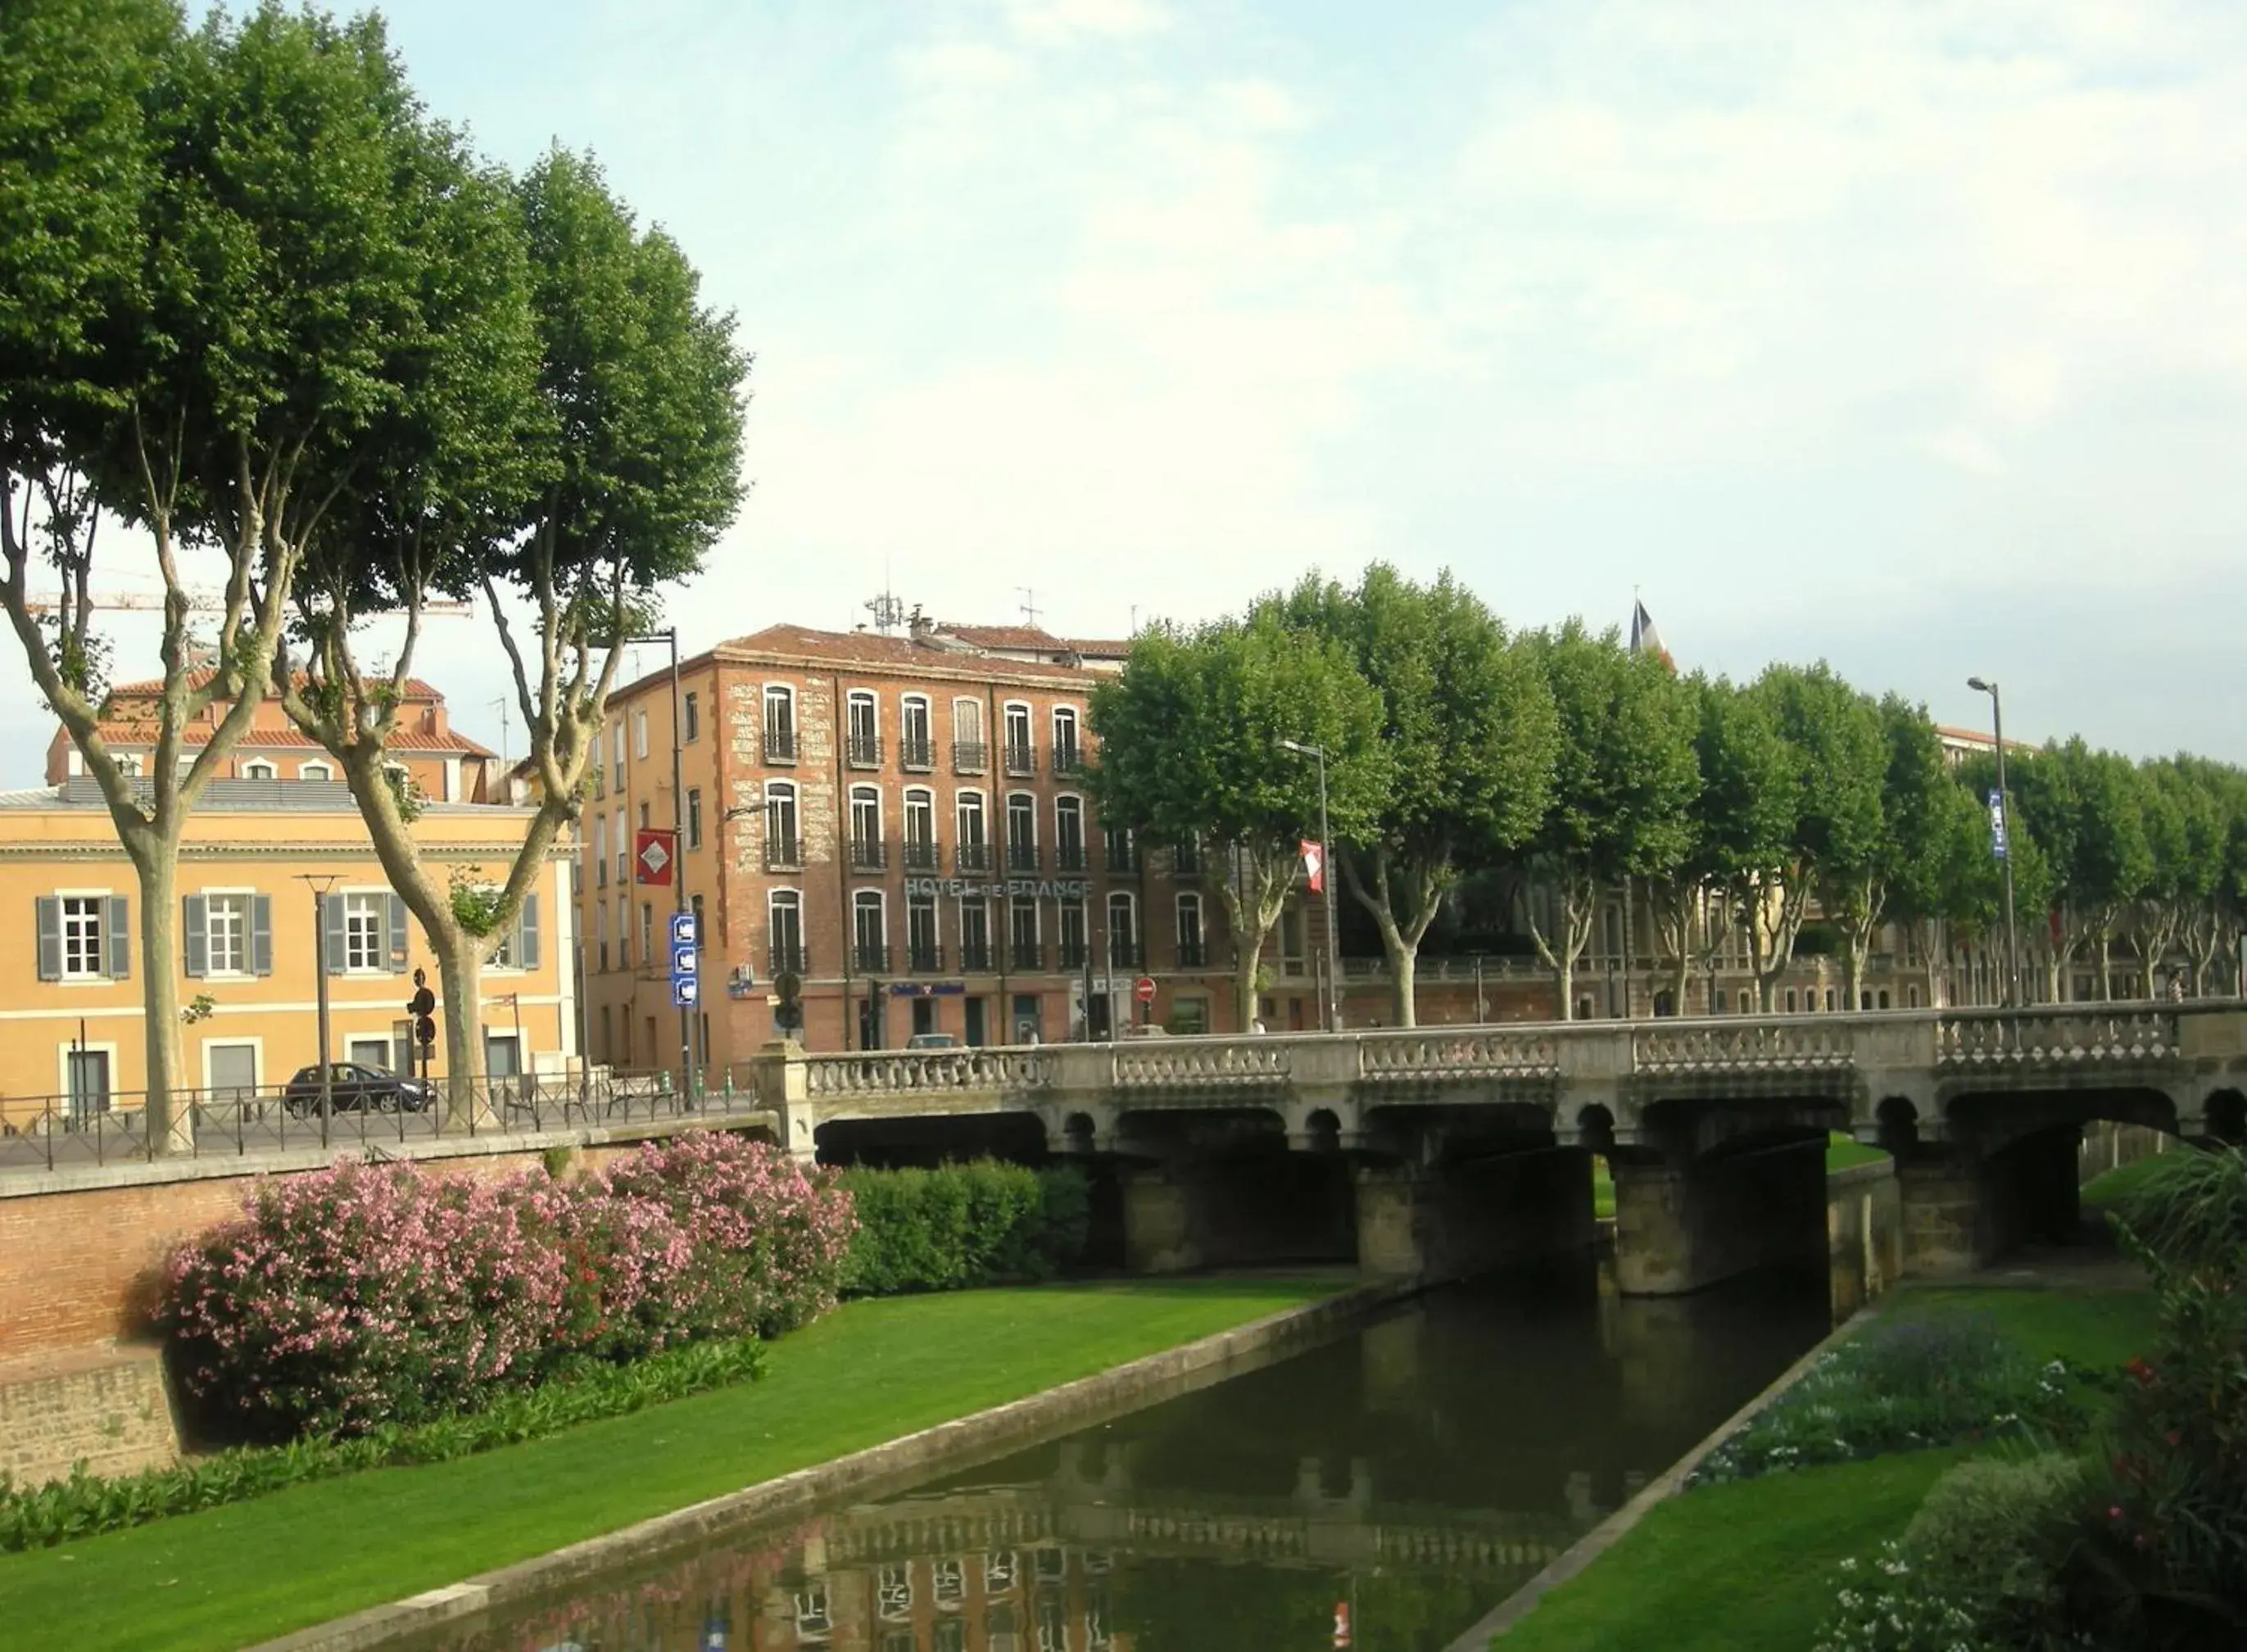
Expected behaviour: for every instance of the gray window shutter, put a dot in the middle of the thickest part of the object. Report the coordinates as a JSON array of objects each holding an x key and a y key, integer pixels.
[
  {"x": 396, "y": 934},
  {"x": 334, "y": 941},
  {"x": 120, "y": 939},
  {"x": 51, "y": 937},
  {"x": 195, "y": 934},
  {"x": 260, "y": 935},
  {"x": 526, "y": 941}
]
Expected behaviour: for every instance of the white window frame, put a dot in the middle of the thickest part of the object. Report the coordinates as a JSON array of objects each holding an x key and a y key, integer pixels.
[
  {"x": 1008, "y": 711},
  {"x": 784, "y": 791},
  {"x": 1060, "y": 838},
  {"x": 923, "y": 799},
  {"x": 380, "y": 899},
  {"x": 782, "y": 695},
  {"x": 907, "y": 704},
  {"x": 866, "y": 791},
  {"x": 773, "y": 902},
  {"x": 1073, "y": 720},
  {"x": 244, "y": 903},
  {"x": 260, "y": 769},
  {"x": 1190, "y": 900},
  {"x": 959, "y": 812},
  {"x": 852, "y": 700},
  {"x": 690, "y": 718},
  {"x": 100, "y": 898},
  {"x": 975, "y": 717},
  {"x": 92, "y": 1046},
  {"x": 639, "y": 734},
  {"x": 692, "y": 825},
  {"x": 874, "y": 900},
  {"x": 1129, "y": 903},
  {"x": 1029, "y": 813},
  {"x": 255, "y": 1044},
  {"x": 618, "y": 743},
  {"x": 315, "y": 769}
]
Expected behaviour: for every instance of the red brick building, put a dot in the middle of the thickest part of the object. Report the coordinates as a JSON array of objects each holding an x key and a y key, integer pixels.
[{"x": 900, "y": 821}]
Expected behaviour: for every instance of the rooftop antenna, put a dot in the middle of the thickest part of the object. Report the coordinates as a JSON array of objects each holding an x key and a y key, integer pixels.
[
  {"x": 889, "y": 613},
  {"x": 500, "y": 705},
  {"x": 1029, "y": 606}
]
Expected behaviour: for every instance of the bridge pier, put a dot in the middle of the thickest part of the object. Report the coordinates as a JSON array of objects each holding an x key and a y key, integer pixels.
[
  {"x": 1203, "y": 1210},
  {"x": 1446, "y": 1221},
  {"x": 1680, "y": 1226},
  {"x": 1963, "y": 1211}
]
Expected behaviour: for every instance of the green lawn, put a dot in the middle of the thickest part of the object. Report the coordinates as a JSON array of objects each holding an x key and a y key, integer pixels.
[
  {"x": 1749, "y": 1565},
  {"x": 869, "y": 1372},
  {"x": 2109, "y": 1186},
  {"x": 1841, "y": 1152}
]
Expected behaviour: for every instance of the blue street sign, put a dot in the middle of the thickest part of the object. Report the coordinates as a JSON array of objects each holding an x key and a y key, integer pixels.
[
  {"x": 685, "y": 961},
  {"x": 682, "y": 930},
  {"x": 685, "y": 991},
  {"x": 1997, "y": 824}
]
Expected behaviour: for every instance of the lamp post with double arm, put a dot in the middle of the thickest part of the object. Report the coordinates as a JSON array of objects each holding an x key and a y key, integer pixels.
[
  {"x": 2005, "y": 844},
  {"x": 1327, "y": 885}
]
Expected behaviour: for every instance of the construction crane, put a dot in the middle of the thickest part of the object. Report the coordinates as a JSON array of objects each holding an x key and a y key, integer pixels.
[{"x": 203, "y": 599}]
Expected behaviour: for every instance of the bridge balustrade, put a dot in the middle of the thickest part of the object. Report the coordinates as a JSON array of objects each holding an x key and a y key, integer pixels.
[{"x": 2074, "y": 1036}]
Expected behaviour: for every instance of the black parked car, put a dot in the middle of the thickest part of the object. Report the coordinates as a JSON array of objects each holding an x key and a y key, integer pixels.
[{"x": 352, "y": 1087}]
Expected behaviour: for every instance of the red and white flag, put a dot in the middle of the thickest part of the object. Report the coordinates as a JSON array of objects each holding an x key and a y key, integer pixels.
[{"x": 1315, "y": 866}]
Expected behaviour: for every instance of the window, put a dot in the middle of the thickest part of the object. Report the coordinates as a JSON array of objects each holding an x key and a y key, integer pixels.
[
  {"x": 232, "y": 1069},
  {"x": 1192, "y": 953},
  {"x": 781, "y": 845},
  {"x": 1021, "y": 832},
  {"x": 87, "y": 1071},
  {"x": 624, "y": 851},
  {"x": 643, "y": 817},
  {"x": 624, "y": 939},
  {"x": 975, "y": 849},
  {"x": 974, "y": 935},
  {"x": 226, "y": 934},
  {"x": 607, "y": 1043},
  {"x": 85, "y": 921},
  {"x": 518, "y": 948},
  {"x": 601, "y": 850},
  {"x": 647, "y": 931},
  {"x": 1022, "y": 932},
  {"x": 693, "y": 717},
  {"x": 618, "y": 743},
  {"x": 1911, "y": 997},
  {"x": 870, "y": 929},
  {"x": 920, "y": 829},
  {"x": 1072, "y": 948},
  {"x": 1790, "y": 1001},
  {"x": 1189, "y": 1016},
  {"x": 864, "y": 749},
  {"x": 639, "y": 734},
  {"x": 916, "y": 747},
  {"x": 1717, "y": 1005},
  {"x": 693, "y": 817},
  {"x": 1123, "y": 850},
  {"x": 1185, "y": 859},
  {"x": 315, "y": 771},
  {"x": 258, "y": 768},
  {"x": 784, "y": 929},
  {"x": 921, "y": 933},
  {"x": 1069, "y": 834},
  {"x": 1068, "y": 755},
  {"x": 866, "y": 828},
  {"x": 1021, "y": 748},
  {"x": 366, "y": 942},
  {"x": 1124, "y": 931},
  {"x": 780, "y": 723},
  {"x": 601, "y": 937},
  {"x": 969, "y": 754}
]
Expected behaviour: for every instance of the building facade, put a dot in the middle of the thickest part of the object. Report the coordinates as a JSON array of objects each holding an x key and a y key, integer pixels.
[
  {"x": 901, "y": 823},
  {"x": 250, "y": 953}
]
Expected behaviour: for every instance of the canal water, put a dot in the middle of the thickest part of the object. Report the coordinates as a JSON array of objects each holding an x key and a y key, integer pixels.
[{"x": 1391, "y": 1485}]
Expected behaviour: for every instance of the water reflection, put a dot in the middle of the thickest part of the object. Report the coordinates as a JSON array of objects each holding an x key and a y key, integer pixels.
[{"x": 1406, "y": 1478}]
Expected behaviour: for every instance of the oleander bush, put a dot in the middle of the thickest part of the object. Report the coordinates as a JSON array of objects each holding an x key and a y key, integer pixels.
[
  {"x": 367, "y": 1293},
  {"x": 982, "y": 1223}
]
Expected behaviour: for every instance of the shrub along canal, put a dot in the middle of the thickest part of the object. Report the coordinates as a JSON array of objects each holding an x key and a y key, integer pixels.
[{"x": 1390, "y": 1485}]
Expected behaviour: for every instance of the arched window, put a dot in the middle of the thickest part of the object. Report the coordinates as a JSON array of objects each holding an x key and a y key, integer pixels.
[
  {"x": 973, "y": 849},
  {"x": 866, "y": 828},
  {"x": 864, "y": 746},
  {"x": 783, "y": 844},
  {"x": 916, "y": 743},
  {"x": 1193, "y": 949},
  {"x": 1067, "y": 750},
  {"x": 258, "y": 768},
  {"x": 1124, "y": 948},
  {"x": 784, "y": 930},
  {"x": 870, "y": 929},
  {"x": 1069, "y": 834},
  {"x": 780, "y": 723},
  {"x": 970, "y": 752},
  {"x": 1021, "y": 742},
  {"x": 920, "y": 829},
  {"x": 1021, "y": 832}
]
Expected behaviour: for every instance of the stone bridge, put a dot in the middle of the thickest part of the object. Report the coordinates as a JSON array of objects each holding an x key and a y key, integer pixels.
[{"x": 1455, "y": 1148}]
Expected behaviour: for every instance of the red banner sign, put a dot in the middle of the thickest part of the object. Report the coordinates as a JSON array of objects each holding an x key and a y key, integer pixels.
[{"x": 654, "y": 856}]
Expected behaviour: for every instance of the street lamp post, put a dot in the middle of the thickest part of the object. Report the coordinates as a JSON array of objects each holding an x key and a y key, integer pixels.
[
  {"x": 2005, "y": 815},
  {"x": 1327, "y": 877},
  {"x": 321, "y": 884}
]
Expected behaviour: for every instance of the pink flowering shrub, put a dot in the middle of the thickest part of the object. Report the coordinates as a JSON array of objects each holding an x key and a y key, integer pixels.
[{"x": 367, "y": 1293}]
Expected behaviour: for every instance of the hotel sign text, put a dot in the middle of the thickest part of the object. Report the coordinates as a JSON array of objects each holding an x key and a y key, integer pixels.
[{"x": 967, "y": 889}]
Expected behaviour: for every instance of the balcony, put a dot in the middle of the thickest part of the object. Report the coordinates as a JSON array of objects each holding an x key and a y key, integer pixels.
[
  {"x": 780, "y": 745},
  {"x": 916, "y": 752},
  {"x": 972, "y": 858},
  {"x": 1069, "y": 857},
  {"x": 787, "y": 958},
  {"x": 872, "y": 957},
  {"x": 1192, "y": 953},
  {"x": 1123, "y": 857},
  {"x": 1185, "y": 860},
  {"x": 974, "y": 958},
  {"x": 1071, "y": 954},
  {"x": 1023, "y": 858},
  {"x": 782, "y": 852},
  {"x": 863, "y": 751},
  {"x": 925, "y": 958},
  {"x": 1068, "y": 760},
  {"x": 1126, "y": 951},
  {"x": 1026, "y": 954},
  {"x": 923, "y": 855},
  {"x": 869, "y": 855},
  {"x": 970, "y": 756},
  {"x": 1021, "y": 758}
]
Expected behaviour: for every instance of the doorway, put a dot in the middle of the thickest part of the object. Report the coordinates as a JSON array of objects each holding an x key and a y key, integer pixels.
[
  {"x": 88, "y": 1072},
  {"x": 1029, "y": 1023},
  {"x": 978, "y": 1030},
  {"x": 924, "y": 1012}
]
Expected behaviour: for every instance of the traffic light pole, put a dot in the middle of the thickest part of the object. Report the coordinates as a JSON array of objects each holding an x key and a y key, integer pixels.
[{"x": 686, "y": 1063}]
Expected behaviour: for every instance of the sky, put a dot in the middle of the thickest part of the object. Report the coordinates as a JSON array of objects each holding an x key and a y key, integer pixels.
[{"x": 1907, "y": 334}]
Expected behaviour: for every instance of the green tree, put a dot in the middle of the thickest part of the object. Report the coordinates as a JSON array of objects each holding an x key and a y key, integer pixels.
[
  {"x": 1897, "y": 870},
  {"x": 243, "y": 312},
  {"x": 1467, "y": 725},
  {"x": 1624, "y": 777},
  {"x": 578, "y": 450},
  {"x": 2084, "y": 807},
  {"x": 1745, "y": 820},
  {"x": 1190, "y": 748}
]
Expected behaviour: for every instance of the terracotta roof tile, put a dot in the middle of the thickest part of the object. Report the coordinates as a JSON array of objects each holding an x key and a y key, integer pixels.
[
  {"x": 121, "y": 731},
  {"x": 872, "y": 649},
  {"x": 150, "y": 686}
]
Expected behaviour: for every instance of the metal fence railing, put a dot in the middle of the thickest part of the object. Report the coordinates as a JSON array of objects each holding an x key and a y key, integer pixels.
[{"x": 65, "y": 1132}]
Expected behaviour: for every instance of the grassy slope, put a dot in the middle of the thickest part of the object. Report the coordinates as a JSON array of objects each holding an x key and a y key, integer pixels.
[
  {"x": 1749, "y": 1565},
  {"x": 868, "y": 1373},
  {"x": 2104, "y": 1190}
]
